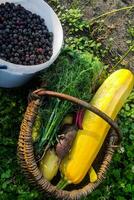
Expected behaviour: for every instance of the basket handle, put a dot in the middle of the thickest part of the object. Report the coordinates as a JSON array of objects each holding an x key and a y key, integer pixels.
[{"x": 41, "y": 93}]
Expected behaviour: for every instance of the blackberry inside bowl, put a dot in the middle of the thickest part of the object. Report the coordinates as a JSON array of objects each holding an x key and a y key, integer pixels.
[{"x": 24, "y": 37}]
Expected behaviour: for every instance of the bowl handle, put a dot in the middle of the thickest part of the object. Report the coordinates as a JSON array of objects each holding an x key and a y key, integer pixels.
[{"x": 3, "y": 67}]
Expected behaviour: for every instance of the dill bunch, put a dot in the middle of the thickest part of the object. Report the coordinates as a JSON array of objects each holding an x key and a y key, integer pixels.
[{"x": 75, "y": 74}]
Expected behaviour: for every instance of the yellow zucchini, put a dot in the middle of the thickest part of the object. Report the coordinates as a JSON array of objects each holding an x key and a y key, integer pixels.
[
  {"x": 92, "y": 175},
  {"x": 49, "y": 165},
  {"x": 109, "y": 98}
]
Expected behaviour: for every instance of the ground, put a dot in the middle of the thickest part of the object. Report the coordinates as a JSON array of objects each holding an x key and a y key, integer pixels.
[{"x": 113, "y": 31}]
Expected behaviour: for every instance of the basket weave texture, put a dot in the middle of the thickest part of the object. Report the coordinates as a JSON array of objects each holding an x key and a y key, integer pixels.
[{"x": 26, "y": 152}]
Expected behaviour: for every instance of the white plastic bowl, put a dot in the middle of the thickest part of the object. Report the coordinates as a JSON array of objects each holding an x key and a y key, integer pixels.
[{"x": 17, "y": 75}]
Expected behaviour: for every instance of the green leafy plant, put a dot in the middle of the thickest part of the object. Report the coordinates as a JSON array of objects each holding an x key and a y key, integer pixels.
[
  {"x": 74, "y": 24},
  {"x": 72, "y": 20},
  {"x": 74, "y": 74}
]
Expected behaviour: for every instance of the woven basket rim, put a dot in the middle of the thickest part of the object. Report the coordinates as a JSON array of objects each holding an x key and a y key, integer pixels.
[{"x": 26, "y": 151}]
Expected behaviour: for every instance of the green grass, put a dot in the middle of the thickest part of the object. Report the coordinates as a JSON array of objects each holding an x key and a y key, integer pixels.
[{"x": 119, "y": 183}]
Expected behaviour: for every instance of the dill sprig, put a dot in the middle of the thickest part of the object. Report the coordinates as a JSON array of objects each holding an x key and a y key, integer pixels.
[{"x": 74, "y": 74}]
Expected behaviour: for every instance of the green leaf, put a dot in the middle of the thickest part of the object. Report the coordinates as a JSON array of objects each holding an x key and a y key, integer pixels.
[{"x": 6, "y": 174}]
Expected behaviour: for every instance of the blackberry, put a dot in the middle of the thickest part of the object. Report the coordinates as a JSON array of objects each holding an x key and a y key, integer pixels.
[
  {"x": 24, "y": 36},
  {"x": 32, "y": 62}
]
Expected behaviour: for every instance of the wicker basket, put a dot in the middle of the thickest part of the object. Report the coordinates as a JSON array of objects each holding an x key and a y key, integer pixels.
[{"x": 26, "y": 152}]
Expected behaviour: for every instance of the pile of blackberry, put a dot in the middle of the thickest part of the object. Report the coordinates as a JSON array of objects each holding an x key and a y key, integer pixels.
[{"x": 24, "y": 37}]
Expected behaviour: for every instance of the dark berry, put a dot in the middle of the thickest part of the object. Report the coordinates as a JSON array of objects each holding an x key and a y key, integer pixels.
[
  {"x": 15, "y": 36},
  {"x": 32, "y": 62}
]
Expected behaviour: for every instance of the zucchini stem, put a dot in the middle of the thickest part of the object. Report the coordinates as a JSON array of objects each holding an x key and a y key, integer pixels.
[{"x": 62, "y": 184}]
